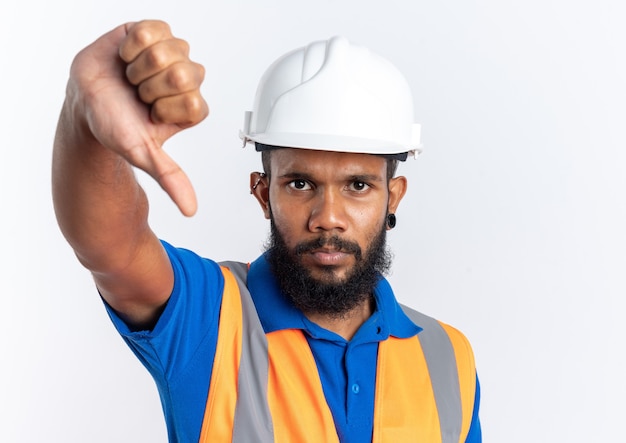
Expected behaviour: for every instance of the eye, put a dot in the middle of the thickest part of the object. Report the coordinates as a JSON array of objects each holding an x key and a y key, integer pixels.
[
  {"x": 359, "y": 186},
  {"x": 300, "y": 185}
]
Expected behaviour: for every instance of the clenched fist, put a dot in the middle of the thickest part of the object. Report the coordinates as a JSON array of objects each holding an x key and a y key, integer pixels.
[{"x": 131, "y": 90}]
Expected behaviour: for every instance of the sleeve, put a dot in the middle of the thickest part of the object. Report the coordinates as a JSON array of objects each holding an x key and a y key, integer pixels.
[{"x": 179, "y": 351}]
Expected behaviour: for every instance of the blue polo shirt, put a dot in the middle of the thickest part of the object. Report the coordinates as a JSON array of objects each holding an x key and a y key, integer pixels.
[{"x": 179, "y": 351}]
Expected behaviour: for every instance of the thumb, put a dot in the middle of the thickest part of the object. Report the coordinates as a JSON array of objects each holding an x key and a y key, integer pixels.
[{"x": 173, "y": 180}]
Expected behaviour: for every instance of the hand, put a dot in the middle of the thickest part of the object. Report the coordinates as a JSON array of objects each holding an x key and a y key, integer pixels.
[{"x": 132, "y": 89}]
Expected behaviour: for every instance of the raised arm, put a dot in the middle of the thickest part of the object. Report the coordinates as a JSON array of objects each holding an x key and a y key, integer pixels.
[{"x": 128, "y": 92}]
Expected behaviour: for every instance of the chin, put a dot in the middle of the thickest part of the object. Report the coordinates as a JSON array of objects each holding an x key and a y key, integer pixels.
[{"x": 329, "y": 275}]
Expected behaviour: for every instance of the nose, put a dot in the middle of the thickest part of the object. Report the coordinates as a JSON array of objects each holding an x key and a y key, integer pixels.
[{"x": 328, "y": 212}]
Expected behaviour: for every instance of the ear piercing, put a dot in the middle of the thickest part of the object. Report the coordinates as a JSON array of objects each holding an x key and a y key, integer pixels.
[
  {"x": 391, "y": 221},
  {"x": 256, "y": 183}
]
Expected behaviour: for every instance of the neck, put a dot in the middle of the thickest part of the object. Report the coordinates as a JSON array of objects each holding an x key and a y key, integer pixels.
[{"x": 347, "y": 324}]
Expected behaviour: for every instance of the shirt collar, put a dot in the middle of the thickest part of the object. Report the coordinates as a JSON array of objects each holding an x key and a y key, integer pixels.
[{"x": 276, "y": 312}]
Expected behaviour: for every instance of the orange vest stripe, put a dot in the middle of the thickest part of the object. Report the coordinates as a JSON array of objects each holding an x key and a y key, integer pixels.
[
  {"x": 217, "y": 425},
  {"x": 398, "y": 417},
  {"x": 296, "y": 398}
]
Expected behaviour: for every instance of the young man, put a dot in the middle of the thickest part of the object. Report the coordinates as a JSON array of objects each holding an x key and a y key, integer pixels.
[{"x": 307, "y": 343}]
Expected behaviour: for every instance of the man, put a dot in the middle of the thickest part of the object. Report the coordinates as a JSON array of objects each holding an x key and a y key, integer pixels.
[{"x": 307, "y": 343}]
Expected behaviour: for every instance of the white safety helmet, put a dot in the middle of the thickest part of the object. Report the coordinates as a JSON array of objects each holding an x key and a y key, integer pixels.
[{"x": 333, "y": 96}]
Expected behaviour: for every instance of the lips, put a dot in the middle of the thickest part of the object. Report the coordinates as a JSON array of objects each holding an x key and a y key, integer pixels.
[{"x": 329, "y": 257}]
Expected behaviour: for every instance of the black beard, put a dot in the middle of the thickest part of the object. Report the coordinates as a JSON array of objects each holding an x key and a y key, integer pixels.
[{"x": 327, "y": 296}]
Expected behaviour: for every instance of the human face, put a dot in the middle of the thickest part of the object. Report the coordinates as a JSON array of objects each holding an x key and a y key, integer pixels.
[{"x": 313, "y": 196}]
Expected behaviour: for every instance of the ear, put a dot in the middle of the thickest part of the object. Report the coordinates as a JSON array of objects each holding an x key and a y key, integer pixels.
[
  {"x": 260, "y": 188},
  {"x": 397, "y": 189}
]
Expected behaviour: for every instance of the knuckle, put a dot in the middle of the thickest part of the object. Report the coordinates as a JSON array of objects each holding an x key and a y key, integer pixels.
[
  {"x": 180, "y": 78},
  {"x": 183, "y": 46},
  {"x": 201, "y": 71},
  {"x": 149, "y": 31},
  {"x": 184, "y": 110},
  {"x": 194, "y": 106},
  {"x": 157, "y": 113},
  {"x": 131, "y": 74},
  {"x": 156, "y": 58},
  {"x": 142, "y": 35},
  {"x": 145, "y": 93}
]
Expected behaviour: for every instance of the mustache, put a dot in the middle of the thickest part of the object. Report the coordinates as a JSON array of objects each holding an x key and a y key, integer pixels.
[{"x": 335, "y": 242}]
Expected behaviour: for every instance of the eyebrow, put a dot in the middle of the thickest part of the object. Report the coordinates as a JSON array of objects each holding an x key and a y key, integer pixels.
[
  {"x": 366, "y": 178},
  {"x": 350, "y": 177},
  {"x": 294, "y": 175}
]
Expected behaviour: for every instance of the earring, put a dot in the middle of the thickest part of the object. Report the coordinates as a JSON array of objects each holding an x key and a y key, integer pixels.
[
  {"x": 391, "y": 221},
  {"x": 258, "y": 180}
]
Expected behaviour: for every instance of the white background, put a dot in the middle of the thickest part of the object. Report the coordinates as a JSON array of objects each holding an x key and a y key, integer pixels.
[{"x": 512, "y": 230}]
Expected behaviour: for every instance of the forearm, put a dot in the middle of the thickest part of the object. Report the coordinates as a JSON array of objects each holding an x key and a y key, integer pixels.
[{"x": 100, "y": 207}]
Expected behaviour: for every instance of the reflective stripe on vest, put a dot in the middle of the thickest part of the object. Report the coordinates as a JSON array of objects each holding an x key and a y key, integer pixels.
[{"x": 266, "y": 388}]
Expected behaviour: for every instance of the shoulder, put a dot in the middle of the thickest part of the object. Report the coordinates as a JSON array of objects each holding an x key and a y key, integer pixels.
[
  {"x": 448, "y": 351},
  {"x": 191, "y": 268},
  {"x": 435, "y": 332}
]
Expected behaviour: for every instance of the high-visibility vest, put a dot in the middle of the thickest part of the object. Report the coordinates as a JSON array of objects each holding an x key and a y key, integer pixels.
[{"x": 266, "y": 388}]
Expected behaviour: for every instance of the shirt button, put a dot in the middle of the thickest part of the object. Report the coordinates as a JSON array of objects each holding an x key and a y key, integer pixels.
[{"x": 356, "y": 388}]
